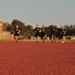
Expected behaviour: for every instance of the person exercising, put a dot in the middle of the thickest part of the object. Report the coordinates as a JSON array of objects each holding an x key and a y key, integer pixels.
[
  {"x": 16, "y": 32},
  {"x": 37, "y": 32},
  {"x": 43, "y": 31},
  {"x": 63, "y": 33},
  {"x": 53, "y": 31}
]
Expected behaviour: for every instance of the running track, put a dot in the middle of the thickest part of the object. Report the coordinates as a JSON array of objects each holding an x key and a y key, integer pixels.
[{"x": 31, "y": 58}]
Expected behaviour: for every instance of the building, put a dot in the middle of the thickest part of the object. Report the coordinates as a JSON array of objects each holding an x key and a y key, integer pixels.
[
  {"x": 1, "y": 29},
  {"x": 5, "y": 35}
]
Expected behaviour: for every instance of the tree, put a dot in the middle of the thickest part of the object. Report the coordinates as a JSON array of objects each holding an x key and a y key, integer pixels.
[
  {"x": 6, "y": 26},
  {"x": 20, "y": 24},
  {"x": 25, "y": 30},
  {"x": 29, "y": 30}
]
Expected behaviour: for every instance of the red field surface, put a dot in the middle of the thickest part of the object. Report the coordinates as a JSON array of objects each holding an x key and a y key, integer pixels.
[{"x": 31, "y": 58}]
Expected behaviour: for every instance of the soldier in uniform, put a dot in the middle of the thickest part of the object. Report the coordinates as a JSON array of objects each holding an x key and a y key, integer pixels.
[
  {"x": 63, "y": 33},
  {"x": 16, "y": 32},
  {"x": 53, "y": 31},
  {"x": 37, "y": 32},
  {"x": 43, "y": 32}
]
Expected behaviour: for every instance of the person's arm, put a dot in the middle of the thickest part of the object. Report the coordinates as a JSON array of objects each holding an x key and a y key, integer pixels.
[
  {"x": 65, "y": 32},
  {"x": 18, "y": 31},
  {"x": 54, "y": 29},
  {"x": 35, "y": 30}
]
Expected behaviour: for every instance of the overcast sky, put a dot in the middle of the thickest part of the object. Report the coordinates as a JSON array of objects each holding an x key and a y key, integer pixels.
[{"x": 42, "y": 12}]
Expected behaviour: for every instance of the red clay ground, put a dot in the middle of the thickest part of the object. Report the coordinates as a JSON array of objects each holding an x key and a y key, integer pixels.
[{"x": 31, "y": 58}]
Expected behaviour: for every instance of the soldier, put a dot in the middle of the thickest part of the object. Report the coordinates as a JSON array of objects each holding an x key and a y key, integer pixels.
[
  {"x": 43, "y": 31},
  {"x": 63, "y": 33},
  {"x": 53, "y": 30},
  {"x": 37, "y": 32},
  {"x": 16, "y": 32}
]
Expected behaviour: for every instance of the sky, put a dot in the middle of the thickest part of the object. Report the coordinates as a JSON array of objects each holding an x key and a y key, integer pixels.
[{"x": 42, "y": 12}]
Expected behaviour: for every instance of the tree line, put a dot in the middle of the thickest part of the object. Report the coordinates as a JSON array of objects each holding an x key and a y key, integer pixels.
[{"x": 27, "y": 30}]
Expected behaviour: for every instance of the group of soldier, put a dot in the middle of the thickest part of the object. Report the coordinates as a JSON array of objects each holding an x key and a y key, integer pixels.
[{"x": 41, "y": 32}]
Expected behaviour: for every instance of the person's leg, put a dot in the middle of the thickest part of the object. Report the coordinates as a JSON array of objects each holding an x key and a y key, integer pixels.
[
  {"x": 52, "y": 39},
  {"x": 37, "y": 38},
  {"x": 36, "y": 35},
  {"x": 16, "y": 38},
  {"x": 43, "y": 39},
  {"x": 63, "y": 39},
  {"x": 43, "y": 35}
]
